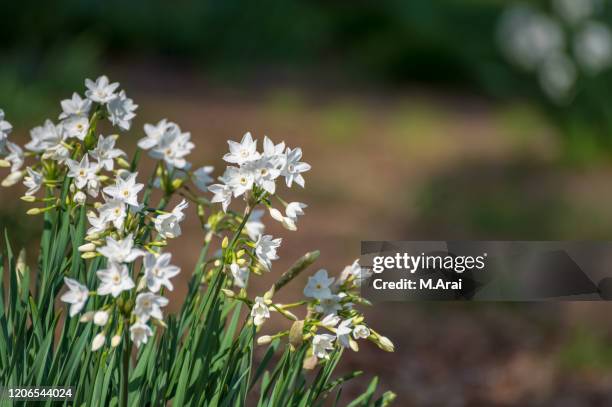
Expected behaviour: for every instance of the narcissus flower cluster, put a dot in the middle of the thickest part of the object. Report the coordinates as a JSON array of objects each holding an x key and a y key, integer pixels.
[{"x": 77, "y": 166}]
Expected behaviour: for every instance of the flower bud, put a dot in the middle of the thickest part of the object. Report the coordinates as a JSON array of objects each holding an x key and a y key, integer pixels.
[
  {"x": 353, "y": 345},
  {"x": 225, "y": 242},
  {"x": 13, "y": 178},
  {"x": 80, "y": 197},
  {"x": 98, "y": 341},
  {"x": 115, "y": 341},
  {"x": 123, "y": 162},
  {"x": 4, "y": 164},
  {"x": 310, "y": 362},
  {"x": 268, "y": 295},
  {"x": 177, "y": 183},
  {"x": 28, "y": 198},
  {"x": 241, "y": 262},
  {"x": 142, "y": 283},
  {"x": 289, "y": 224},
  {"x": 21, "y": 265},
  {"x": 34, "y": 211},
  {"x": 385, "y": 344},
  {"x": 296, "y": 334},
  {"x": 264, "y": 340},
  {"x": 228, "y": 293},
  {"x": 89, "y": 255},
  {"x": 86, "y": 317},
  {"x": 87, "y": 247},
  {"x": 100, "y": 318},
  {"x": 276, "y": 214},
  {"x": 159, "y": 322}
]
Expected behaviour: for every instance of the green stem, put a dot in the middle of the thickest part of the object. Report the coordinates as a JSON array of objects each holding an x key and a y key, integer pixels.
[{"x": 125, "y": 377}]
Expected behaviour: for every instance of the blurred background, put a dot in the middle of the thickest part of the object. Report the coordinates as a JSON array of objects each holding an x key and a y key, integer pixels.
[{"x": 453, "y": 119}]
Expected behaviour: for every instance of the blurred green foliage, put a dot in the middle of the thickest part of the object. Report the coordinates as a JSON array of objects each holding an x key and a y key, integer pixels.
[
  {"x": 48, "y": 48},
  {"x": 390, "y": 40},
  {"x": 586, "y": 349}
]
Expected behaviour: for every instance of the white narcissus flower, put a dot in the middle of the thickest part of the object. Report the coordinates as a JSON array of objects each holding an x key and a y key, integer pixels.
[
  {"x": 287, "y": 222},
  {"x": 98, "y": 223},
  {"x": 154, "y": 133},
  {"x": 105, "y": 152},
  {"x": 121, "y": 111},
  {"x": 45, "y": 136},
  {"x": 274, "y": 152},
  {"x": 149, "y": 305},
  {"x": 98, "y": 341},
  {"x": 80, "y": 198},
  {"x": 240, "y": 275},
  {"x": 254, "y": 226},
  {"x": 159, "y": 271},
  {"x": 33, "y": 181},
  {"x": 76, "y": 126},
  {"x": 264, "y": 173},
  {"x": 76, "y": 296},
  {"x": 330, "y": 305},
  {"x": 321, "y": 345},
  {"x": 100, "y": 318},
  {"x": 330, "y": 321},
  {"x": 15, "y": 156},
  {"x": 361, "y": 332},
  {"x": 53, "y": 143},
  {"x": 83, "y": 172},
  {"x": 114, "y": 279},
  {"x": 76, "y": 106},
  {"x": 5, "y": 130},
  {"x": 319, "y": 286},
  {"x": 260, "y": 311},
  {"x": 343, "y": 332},
  {"x": 222, "y": 194},
  {"x": 201, "y": 177},
  {"x": 100, "y": 91},
  {"x": 120, "y": 251},
  {"x": 240, "y": 180},
  {"x": 125, "y": 189},
  {"x": 295, "y": 209},
  {"x": 140, "y": 333},
  {"x": 265, "y": 250},
  {"x": 242, "y": 152},
  {"x": 293, "y": 168},
  {"x": 359, "y": 274},
  {"x": 114, "y": 211},
  {"x": 173, "y": 146},
  {"x": 168, "y": 224}
]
